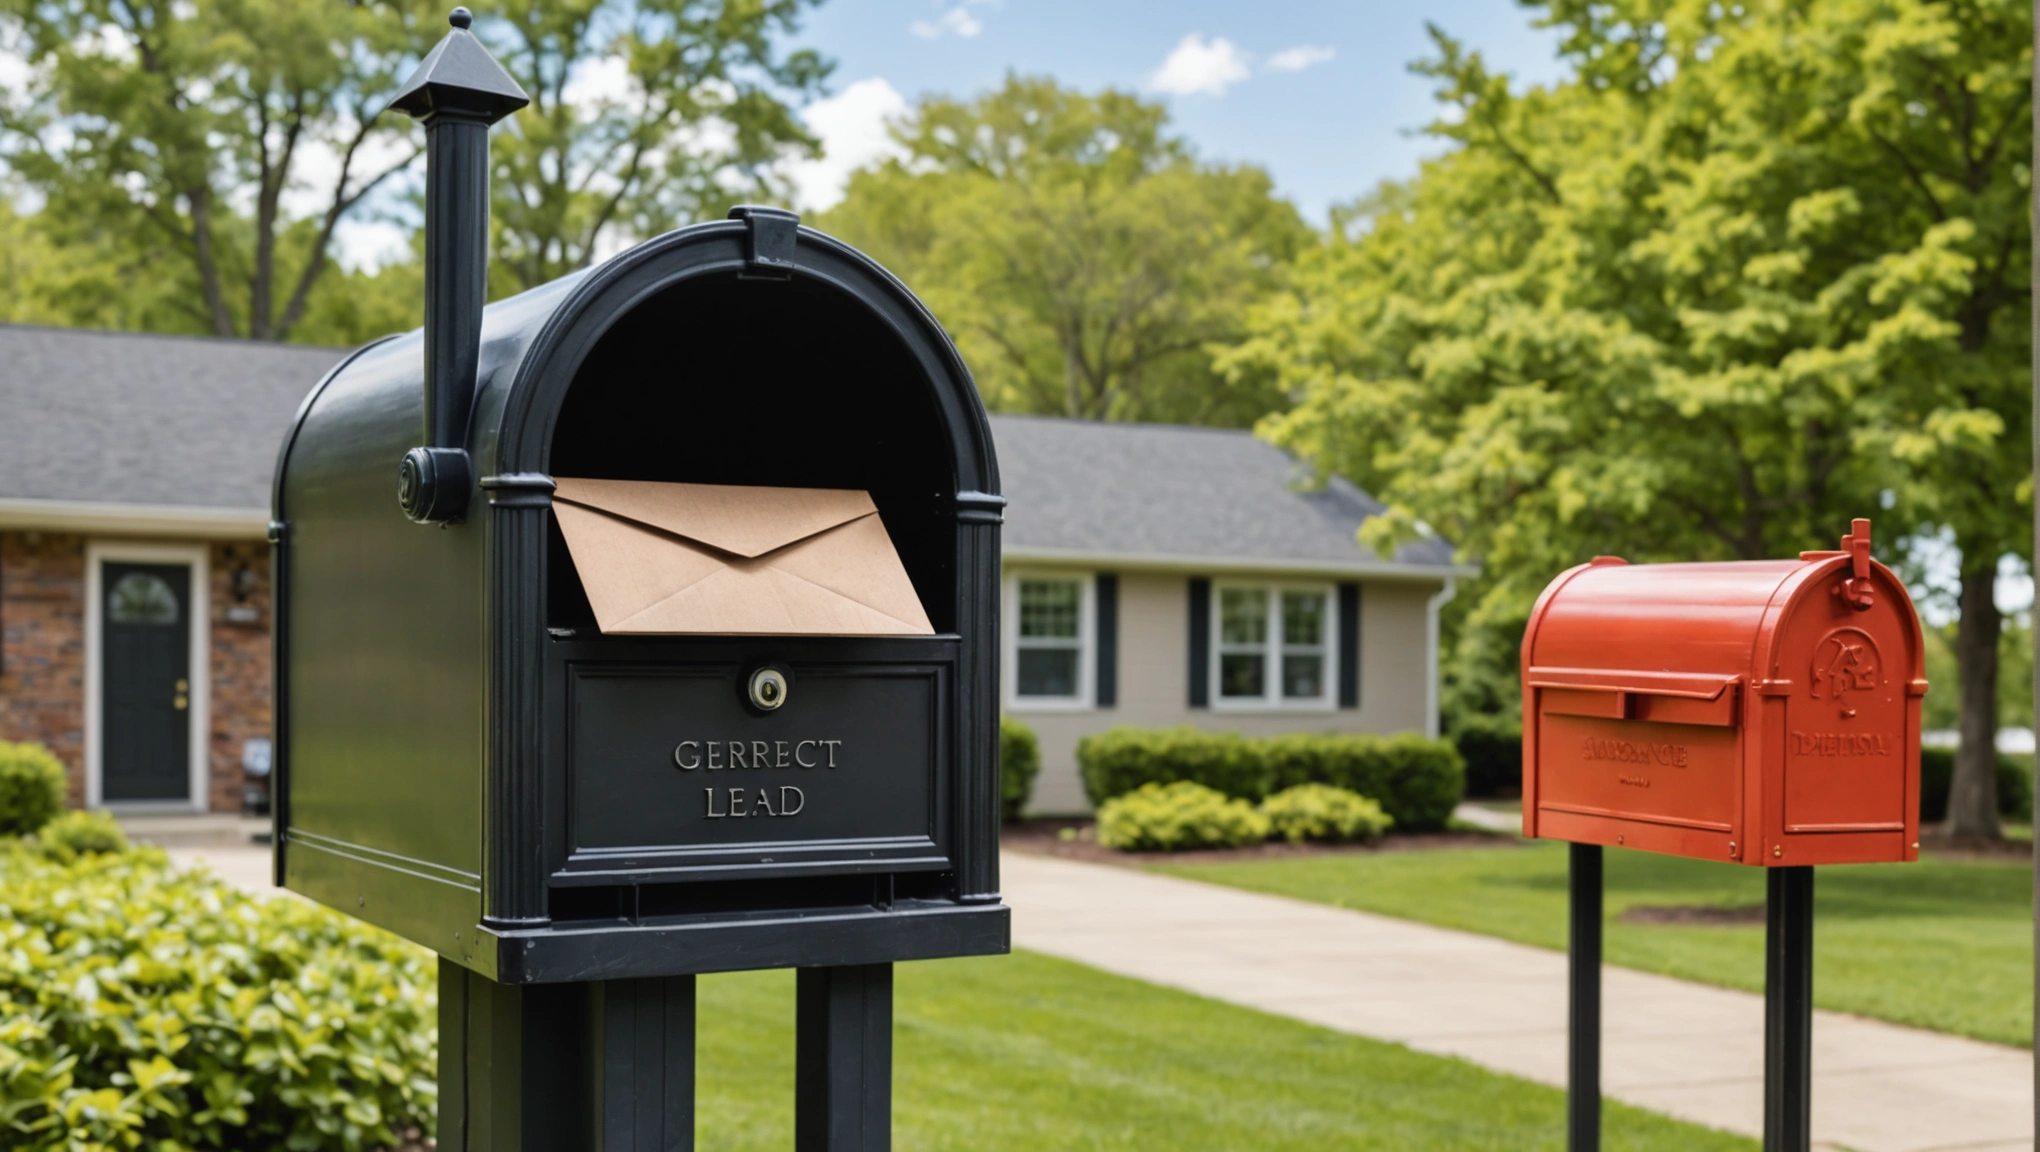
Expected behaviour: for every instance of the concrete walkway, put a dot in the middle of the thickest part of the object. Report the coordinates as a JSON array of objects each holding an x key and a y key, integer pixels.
[{"x": 1687, "y": 1050}]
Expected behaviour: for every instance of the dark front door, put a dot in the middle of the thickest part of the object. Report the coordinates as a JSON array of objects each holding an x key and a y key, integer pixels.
[{"x": 145, "y": 682}]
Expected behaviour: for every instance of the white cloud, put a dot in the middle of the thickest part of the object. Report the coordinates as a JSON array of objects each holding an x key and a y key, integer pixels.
[
  {"x": 851, "y": 125},
  {"x": 1300, "y": 57},
  {"x": 958, "y": 20},
  {"x": 1200, "y": 65}
]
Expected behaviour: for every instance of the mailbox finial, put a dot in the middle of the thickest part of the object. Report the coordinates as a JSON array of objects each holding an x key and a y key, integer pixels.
[{"x": 458, "y": 91}]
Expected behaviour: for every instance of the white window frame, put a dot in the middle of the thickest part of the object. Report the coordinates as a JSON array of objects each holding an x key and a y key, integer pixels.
[
  {"x": 1087, "y": 643},
  {"x": 194, "y": 556},
  {"x": 1271, "y": 699}
]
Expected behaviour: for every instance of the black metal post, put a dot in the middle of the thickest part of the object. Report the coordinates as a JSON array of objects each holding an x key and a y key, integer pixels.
[
  {"x": 842, "y": 1086},
  {"x": 607, "y": 1065},
  {"x": 1788, "y": 1011},
  {"x": 1583, "y": 1003}
]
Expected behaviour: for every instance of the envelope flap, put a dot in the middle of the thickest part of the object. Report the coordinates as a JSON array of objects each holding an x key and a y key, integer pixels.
[{"x": 734, "y": 518}]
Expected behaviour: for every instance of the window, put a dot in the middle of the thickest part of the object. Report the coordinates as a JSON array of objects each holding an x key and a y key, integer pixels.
[
  {"x": 1048, "y": 657},
  {"x": 1273, "y": 646}
]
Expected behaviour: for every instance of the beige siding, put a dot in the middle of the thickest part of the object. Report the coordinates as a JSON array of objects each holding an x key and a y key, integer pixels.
[{"x": 1154, "y": 679}]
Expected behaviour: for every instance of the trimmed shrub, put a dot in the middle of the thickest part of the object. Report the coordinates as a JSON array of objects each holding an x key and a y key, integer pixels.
[
  {"x": 1416, "y": 781},
  {"x": 1322, "y": 812},
  {"x": 1117, "y": 762},
  {"x": 1175, "y": 817},
  {"x": 31, "y": 788},
  {"x": 1019, "y": 764},
  {"x": 1492, "y": 747},
  {"x": 76, "y": 834},
  {"x": 1937, "y": 777},
  {"x": 142, "y": 1007}
]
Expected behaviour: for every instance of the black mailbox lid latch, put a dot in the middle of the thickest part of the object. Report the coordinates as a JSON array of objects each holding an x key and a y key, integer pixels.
[{"x": 773, "y": 233}]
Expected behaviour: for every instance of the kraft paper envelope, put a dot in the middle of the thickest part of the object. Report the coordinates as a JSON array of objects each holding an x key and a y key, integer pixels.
[{"x": 727, "y": 559}]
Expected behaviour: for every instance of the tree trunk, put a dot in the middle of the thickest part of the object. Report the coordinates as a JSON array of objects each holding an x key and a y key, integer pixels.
[{"x": 1972, "y": 797}]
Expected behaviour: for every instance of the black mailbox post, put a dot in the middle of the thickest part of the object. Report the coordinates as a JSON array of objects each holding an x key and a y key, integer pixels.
[{"x": 465, "y": 757}]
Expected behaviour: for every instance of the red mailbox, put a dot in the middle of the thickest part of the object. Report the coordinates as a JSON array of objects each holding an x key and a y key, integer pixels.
[{"x": 1762, "y": 711}]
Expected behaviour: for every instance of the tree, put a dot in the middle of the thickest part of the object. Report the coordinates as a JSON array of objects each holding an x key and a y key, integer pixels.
[
  {"x": 1082, "y": 258},
  {"x": 186, "y": 127},
  {"x": 1752, "y": 270},
  {"x": 643, "y": 116}
]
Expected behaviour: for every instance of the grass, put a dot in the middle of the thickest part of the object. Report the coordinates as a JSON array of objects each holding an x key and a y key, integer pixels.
[
  {"x": 1940, "y": 944},
  {"x": 1029, "y": 1052}
]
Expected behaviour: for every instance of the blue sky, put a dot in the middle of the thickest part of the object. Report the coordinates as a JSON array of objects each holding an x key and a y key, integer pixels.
[{"x": 1316, "y": 91}]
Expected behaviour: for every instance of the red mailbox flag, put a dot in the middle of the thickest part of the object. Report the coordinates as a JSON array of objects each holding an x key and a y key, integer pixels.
[{"x": 1763, "y": 711}]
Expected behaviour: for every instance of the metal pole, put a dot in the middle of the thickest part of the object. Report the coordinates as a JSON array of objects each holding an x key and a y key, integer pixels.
[
  {"x": 842, "y": 1078},
  {"x": 1583, "y": 1020},
  {"x": 1788, "y": 1011}
]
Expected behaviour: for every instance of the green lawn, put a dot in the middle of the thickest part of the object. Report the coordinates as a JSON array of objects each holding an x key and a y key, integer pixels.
[
  {"x": 1939, "y": 944},
  {"x": 1030, "y": 1053}
]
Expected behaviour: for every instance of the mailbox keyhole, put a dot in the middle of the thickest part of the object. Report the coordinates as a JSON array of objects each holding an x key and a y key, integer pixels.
[{"x": 768, "y": 689}]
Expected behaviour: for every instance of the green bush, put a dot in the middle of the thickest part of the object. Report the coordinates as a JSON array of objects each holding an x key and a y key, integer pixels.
[
  {"x": 31, "y": 788},
  {"x": 1492, "y": 747},
  {"x": 1178, "y": 816},
  {"x": 1117, "y": 762},
  {"x": 76, "y": 834},
  {"x": 1937, "y": 776},
  {"x": 141, "y": 1007},
  {"x": 1019, "y": 764},
  {"x": 1416, "y": 781},
  {"x": 1322, "y": 812}
]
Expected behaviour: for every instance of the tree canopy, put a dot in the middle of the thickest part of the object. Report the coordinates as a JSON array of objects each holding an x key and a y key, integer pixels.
[
  {"x": 1082, "y": 258},
  {"x": 1752, "y": 270}
]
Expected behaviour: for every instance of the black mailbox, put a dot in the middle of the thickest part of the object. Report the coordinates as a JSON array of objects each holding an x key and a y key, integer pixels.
[{"x": 475, "y": 753}]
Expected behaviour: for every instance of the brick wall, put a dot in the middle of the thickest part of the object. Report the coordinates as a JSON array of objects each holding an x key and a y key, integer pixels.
[
  {"x": 42, "y": 654},
  {"x": 42, "y": 646},
  {"x": 240, "y": 664}
]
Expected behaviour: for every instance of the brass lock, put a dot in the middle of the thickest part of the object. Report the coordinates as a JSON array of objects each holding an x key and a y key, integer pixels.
[{"x": 183, "y": 699}]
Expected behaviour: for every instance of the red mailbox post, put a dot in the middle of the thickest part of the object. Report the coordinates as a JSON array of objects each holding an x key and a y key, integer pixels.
[{"x": 1761, "y": 712}]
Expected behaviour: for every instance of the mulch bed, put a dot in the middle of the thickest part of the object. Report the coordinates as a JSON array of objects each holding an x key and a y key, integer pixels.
[
  {"x": 1932, "y": 839},
  {"x": 1044, "y": 837}
]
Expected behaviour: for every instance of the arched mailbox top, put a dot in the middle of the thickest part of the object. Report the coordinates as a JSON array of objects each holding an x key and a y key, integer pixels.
[
  {"x": 1765, "y": 712},
  {"x": 534, "y": 344},
  {"x": 1714, "y": 620}
]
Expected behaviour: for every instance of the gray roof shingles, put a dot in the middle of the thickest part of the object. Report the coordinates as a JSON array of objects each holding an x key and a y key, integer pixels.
[
  {"x": 125, "y": 418},
  {"x": 1173, "y": 491}
]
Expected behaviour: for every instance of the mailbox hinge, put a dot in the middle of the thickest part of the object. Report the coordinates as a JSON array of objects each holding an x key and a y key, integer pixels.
[
  {"x": 980, "y": 508},
  {"x": 768, "y": 254},
  {"x": 519, "y": 490}
]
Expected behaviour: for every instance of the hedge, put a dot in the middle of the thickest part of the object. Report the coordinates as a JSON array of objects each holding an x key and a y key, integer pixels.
[
  {"x": 1324, "y": 813},
  {"x": 1176, "y": 817},
  {"x": 1416, "y": 781},
  {"x": 1019, "y": 763},
  {"x": 1492, "y": 747},
  {"x": 143, "y": 1007},
  {"x": 1937, "y": 776}
]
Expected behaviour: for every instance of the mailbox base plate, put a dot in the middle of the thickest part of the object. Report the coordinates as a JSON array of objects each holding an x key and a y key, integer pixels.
[{"x": 909, "y": 930}]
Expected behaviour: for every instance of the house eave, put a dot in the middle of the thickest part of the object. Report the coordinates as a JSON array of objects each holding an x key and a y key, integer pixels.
[
  {"x": 1170, "y": 562},
  {"x": 93, "y": 518}
]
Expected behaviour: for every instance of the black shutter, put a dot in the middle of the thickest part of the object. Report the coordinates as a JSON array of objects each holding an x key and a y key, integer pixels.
[
  {"x": 1349, "y": 645},
  {"x": 1105, "y": 688},
  {"x": 1200, "y": 642}
]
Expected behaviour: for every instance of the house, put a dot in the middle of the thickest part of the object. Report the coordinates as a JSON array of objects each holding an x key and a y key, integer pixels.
[
  {"x": 1154, "y": 575},
  {"x": 1159, "y": 575}
]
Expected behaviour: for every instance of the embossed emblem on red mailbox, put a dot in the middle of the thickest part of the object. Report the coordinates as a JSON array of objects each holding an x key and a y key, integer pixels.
[{"x": 1763, "y": 711}]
